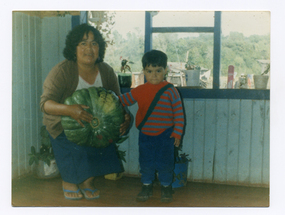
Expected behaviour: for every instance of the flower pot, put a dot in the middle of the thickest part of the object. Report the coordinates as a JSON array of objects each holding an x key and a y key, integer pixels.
[
  {"x": 114, "y": 176},
  {"x": 192, "y": 78},
  {"x": 44, "y": 171},
  {"x": 180, "y": 175},
  {"x": 260, "y": 81},
  {"x": 125, "y": 79}
]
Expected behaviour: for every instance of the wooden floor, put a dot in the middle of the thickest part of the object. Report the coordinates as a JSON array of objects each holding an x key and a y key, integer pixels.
[{"x": 30, "y": 191}]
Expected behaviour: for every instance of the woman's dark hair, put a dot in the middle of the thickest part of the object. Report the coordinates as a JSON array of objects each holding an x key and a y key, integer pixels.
[
  {"x": 76, "y": 35},
  {"x": 154, "y": 58}
]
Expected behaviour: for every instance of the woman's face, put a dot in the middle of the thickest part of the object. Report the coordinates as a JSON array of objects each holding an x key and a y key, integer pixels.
[{"x": 87, "y": 51}]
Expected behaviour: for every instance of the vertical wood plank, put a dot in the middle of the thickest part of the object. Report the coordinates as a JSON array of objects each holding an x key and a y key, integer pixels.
[
  {"x": 15, "y": 93},
  {"x": 266, "y": 146},
  {"x": 188, "y": 138},
  {"x": 34, "y": 89},
  {"x": 245, "y": 141},
  {"x": 49, "y": 45},
  {"x": 198, "y": 143},
  {"x": 20, "y": 107},
  {"x": 233, "y": 141},
  {"x": 35, "y": 84},
  {"x": 133, "y": 147},
  {"x": 210, "y": 137},
  {"x": 257, "y": 141},
  {"x": 64, "y": 28},
  {"x": 26, "y": 91},
  {"x": 220, "y": 168},
  {"x": 38, "y": 78},
  {"x": 54, "y": 32}
]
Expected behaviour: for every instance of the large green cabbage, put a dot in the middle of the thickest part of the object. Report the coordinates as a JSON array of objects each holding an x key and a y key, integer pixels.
[{"x": 108, "y": 115}]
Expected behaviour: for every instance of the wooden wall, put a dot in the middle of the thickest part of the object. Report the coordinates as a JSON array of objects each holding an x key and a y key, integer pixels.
[
  {"x": 227, "y": 141},
  {"x": 37, "y": 46}
]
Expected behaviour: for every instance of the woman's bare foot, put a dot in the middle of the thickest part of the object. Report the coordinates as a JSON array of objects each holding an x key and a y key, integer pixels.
[
  {"x": 71, "y": 187},
  {"x": 89, "y": 184}
]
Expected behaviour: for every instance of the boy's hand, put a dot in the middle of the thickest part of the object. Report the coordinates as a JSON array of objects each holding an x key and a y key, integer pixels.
[{"x": 176, "y": 141}]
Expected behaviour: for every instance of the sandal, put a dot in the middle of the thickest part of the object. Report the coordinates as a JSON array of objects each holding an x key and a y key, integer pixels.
[
  {"x": 92, "y": 192},
  {"x": 71, "y": 191}
]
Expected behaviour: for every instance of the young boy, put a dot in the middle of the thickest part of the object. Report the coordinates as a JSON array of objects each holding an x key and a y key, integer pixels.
[{"x": 160, "y": 119}]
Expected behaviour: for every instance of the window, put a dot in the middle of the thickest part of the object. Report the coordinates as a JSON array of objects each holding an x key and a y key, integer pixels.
[
  {"x": 186, "y": 48},
  {"x": 244, "y": 43},
  {"x": 245, "y": 46},
  {"x": 210, "y": 40}
]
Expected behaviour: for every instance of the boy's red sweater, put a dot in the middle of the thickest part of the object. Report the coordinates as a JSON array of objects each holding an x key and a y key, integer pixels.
[{"x": 168, "y": 111}]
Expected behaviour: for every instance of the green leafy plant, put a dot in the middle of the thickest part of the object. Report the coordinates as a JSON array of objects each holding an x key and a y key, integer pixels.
[
  {"x": 46, "y": 153},
  {"x": 180, "y": 157},
  {"x": 104, "y": 22},
  {"x": 124, "y": 66},
  {"x": 267, "y": 70},
  {"x": 189, "y": 66},
  {"x": 121, "y": 154},
  {"x": 125, "y": 76}
]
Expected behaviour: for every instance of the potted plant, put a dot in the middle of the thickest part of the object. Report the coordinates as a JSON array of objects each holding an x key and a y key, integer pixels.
[
  {"x": 180, "y": 169},
  {"x": 121, "y": 155},
  {"x": 260, "y": 81},
  {"x": 125, "y": 76},
  {"x": 45, "y": 165}
]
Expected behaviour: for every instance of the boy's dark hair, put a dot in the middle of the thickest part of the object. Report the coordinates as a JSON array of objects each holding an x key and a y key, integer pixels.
[
  {"x": 76, "y": 35},
  {"x": 154, "y": 58}
]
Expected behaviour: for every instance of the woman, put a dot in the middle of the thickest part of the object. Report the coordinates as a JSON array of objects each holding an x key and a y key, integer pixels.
[{"x": 82, "y": 68}]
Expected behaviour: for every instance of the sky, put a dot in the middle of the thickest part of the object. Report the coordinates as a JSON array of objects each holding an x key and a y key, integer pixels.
[{"x": 246, "y": 22}]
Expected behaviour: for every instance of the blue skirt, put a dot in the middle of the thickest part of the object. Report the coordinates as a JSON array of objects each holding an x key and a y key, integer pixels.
[{"x": 78, "y": 163}]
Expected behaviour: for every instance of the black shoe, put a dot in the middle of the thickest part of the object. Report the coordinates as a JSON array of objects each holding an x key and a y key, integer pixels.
[
  {"x": 166, "y": 194},
  {"x": 145, "y": 193}
]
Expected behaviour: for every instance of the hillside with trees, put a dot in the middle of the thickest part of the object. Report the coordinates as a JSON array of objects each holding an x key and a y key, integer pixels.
[{"x": 237, "y": 50}]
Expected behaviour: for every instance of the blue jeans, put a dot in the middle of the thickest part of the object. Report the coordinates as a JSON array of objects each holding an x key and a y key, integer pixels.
[{"x": 156, "y": 153}]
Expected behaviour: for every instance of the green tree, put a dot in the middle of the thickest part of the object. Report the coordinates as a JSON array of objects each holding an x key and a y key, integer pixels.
[{"x": 236, "y": 49}]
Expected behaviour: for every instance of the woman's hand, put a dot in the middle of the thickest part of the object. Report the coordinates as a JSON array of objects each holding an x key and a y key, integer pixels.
[
  {"x": 78, "y": 113},
  {"x": 124, "y": 126}
]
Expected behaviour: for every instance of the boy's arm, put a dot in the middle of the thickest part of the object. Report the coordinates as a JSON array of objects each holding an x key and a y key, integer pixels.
[
  {"x": 127, "y": 99},
  {"x": 178, "y": 114},
  {"x": 125, "y": 127}
]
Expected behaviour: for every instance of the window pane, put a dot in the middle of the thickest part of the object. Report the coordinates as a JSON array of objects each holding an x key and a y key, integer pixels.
[
  {"x": 245, "y": 46},
  {"x": 195, "y": 49},
  {"x": 187, "y": 48},
  {"x": 183, "y": 19}
]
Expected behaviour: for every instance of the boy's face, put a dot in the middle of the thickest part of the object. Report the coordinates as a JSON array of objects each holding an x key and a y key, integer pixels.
[{"x": 154, "y": 75}]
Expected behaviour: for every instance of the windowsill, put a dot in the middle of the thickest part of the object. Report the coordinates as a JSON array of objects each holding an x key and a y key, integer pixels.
[{"x": 187, "y": 93}]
